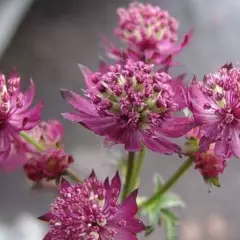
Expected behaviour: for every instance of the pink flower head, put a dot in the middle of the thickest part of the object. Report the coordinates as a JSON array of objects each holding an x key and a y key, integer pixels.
[
  {"x": 209, "y": 165},
  {"x": 49, "y": 164},
  {"x": 51, "y": 161},
  {"x": 215, "y": 103},
  {"x": 15, "y": 114},
  {"x": 131, "y": 105},
  {"x": 91, "y": 211},
  {"x": 150, "y": 33}
]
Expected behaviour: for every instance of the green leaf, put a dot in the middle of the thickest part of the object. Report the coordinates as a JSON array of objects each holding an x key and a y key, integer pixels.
[
  {"x": 170, "y": 222},
  {"x": 159, "y": 213},
  {"x": 170, "y": 200},
  {"x": 158, "y": 181}
]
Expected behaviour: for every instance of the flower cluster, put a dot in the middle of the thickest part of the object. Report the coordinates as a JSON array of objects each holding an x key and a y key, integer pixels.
[
  {"x": 150, "y": 34},
  {"x": 91, "y": 211},
  {"x": 15, "y": 114},
  {"x": 131, "y": 105},
  {"x": 49, "y": 161}
]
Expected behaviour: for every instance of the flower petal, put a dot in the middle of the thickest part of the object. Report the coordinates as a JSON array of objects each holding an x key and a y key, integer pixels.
[
  {"x": 64, "y": 184},
  {"x": 198, "y": 99},
  {"x": 78, "y": 102},
  {"x": 87, "y": 73},
  {"x": 46, "y": 217},
  {"x": 222, "y": 149},
  {"x": 124, "y": 234},
  {"x": 5, "y": 145},
  {"x": 159, "y": 144},
  {"x": 177, "y": 126},
  {"x": 116, "y": 182},
  {"x": 180, "y": 91},
  {"x": 135, "y": 225},
  {"x": 235, "y": 143}
]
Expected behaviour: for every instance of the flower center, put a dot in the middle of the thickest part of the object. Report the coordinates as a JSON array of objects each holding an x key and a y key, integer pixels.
[
  {"x": 132, "y": 94},
  {"x": 146, "y": 23}
]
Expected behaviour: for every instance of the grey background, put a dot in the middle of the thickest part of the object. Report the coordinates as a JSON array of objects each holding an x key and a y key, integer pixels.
[{"x": 56, "y": 35}]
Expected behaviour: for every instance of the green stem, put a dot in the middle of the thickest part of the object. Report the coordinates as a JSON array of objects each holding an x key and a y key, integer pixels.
[
  {"x": 128, "y": 182},
  {"x": 32, "y": 141},
  {"x": 170, "y": 182},
  {"x": 72, "y": 175},
  {"x": 137, "y": 168}
]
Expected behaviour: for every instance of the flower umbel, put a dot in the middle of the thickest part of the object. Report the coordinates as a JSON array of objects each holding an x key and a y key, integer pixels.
[
  {"x": 131, "y": 105},
  {"x": 215, "y": 103},
  {"x": 150, "y": 33},
  {"x": 91, "y": 211},
  {"x": 15, "y": 114}
]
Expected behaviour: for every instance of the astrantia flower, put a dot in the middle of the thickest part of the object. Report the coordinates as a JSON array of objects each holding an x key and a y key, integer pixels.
[
  {"x": 48, "y": 164},
  {"x": 208, "y": 163},
  {"x": 150, "y": 33},
  {"x": 15, "y": 113},
  {"x": 91, "y": 211},
  {"x": 210, "y": 166},
  {"x": 215, "y": 103},
  {"x": 132, "y": 106},
  {"x": 49, "y": 161}
]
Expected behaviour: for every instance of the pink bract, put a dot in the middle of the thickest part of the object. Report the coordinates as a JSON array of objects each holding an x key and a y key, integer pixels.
[{"x": 91, "y": 211}]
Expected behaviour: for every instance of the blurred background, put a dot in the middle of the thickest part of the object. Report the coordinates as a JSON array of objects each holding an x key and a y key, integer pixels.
[{"x": 45, "y": 39}]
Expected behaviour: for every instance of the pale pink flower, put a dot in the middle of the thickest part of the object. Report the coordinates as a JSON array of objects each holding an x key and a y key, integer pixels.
[
  {"x": 16, "y": 115},
  {"x": 150, "y": 35}
]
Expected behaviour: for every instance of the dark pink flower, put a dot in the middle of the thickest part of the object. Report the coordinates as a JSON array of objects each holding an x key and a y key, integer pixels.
[
  {"x": 208, "y": 163},
  {"x": 50, "y": 161},
  {"x": 15, "y": 114},
  {"x": 215, "y": 103},
  {"x": 91, "y": 211},
  {"x": 150, "y": 34},
  {"x": 131, "y": 105},
  {"x": 49, "y": 164}
]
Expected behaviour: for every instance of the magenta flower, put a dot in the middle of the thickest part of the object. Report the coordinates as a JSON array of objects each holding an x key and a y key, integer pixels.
[
  {"x": 50, "y": 161},
  {"x": 150, "y": 33},
  {"x": 90, "y": 211},
  {"x": 215, "y": 104},
  {"x": 49, "y": 164},
  {"x": 208, "y": 163},
  {"x": 132, "y": 106},
  {"x": 15, "y": 114}
]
